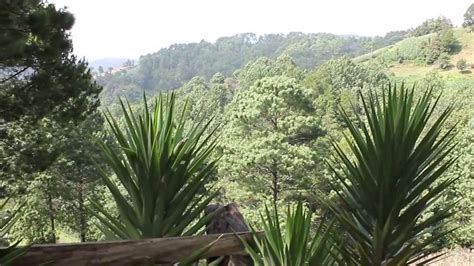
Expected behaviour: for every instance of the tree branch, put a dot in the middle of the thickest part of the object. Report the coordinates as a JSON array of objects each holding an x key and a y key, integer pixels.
[{"x": 14, "y": 75}]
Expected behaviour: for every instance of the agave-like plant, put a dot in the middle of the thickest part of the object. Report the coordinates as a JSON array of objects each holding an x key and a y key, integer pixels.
[
  {"x": 162, "y": 170},
  {"x": 10, "y": 254},
  {"x": 295, "y": 245},
  {"x": 393, "y": 177}
]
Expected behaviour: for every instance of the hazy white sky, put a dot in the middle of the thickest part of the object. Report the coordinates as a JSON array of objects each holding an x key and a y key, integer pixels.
[{"x": 119, "y": 28}]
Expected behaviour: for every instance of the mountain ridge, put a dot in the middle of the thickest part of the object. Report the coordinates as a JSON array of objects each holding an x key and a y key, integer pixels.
[{"x": 171, "y": 67}]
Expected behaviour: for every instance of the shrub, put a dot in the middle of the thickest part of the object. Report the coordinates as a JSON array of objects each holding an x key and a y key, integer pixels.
[
  {"x": 162, "y": 173},
  {"x": 393, "y": 178},
  {"x": 461, "y": 65},
  {"x": 432, "y": 25},
  {"x": 443, "y": 61},
  {"x": 441, "y": 43},
  {"x": 293, "y": 246}
]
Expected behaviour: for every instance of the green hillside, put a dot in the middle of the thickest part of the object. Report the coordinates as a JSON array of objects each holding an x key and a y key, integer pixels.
[
  {"x": 411, "y": 69},
  {"x": 171, "y": 67}
]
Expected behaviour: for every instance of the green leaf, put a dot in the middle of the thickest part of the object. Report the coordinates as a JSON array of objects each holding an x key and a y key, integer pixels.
[
  {"x": 162, "y": 170},
  {"x": 392, "y": 177}
]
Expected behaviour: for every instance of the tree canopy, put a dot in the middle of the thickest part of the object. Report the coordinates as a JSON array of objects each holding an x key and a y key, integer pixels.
[
  {"x": 469, "y": 17},
  {"x": 171, "y": 67},
  {"x": 46, "y": 94}
]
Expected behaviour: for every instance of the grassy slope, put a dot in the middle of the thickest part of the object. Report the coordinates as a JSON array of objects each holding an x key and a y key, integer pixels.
[
  {"x": 411, "y": 71},
  {"x": 466, "y": 41}
]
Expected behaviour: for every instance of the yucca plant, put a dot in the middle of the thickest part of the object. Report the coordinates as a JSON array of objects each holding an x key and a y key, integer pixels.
[
  {"x": 295, "y": 245},
  {"x": 162, "y": 169},
  {"x": 393, "y": 177},
  {"x": 7, "y": 220}
]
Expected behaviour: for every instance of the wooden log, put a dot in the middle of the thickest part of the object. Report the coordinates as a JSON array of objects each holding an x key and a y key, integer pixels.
[{"x": 132, "y": 252}]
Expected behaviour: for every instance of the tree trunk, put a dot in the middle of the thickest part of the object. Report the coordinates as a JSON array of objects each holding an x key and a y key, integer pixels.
[
  {"x": 82, "y": 214},
  {"x": 52, "y": 237},
  {"x": 275, "y": 183}
]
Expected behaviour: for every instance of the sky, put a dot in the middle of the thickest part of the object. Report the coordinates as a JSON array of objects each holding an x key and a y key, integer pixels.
[{"x": 128, "y": 29}]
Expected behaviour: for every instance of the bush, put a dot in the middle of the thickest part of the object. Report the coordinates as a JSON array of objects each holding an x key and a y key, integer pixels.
[
  {"x": 432, "y": 25},
  {"x": 293, "y": 245},
  {"x": 441, "y": 43},
  {"x": 443, "y": 61},
  {"x": 461, "y": 65},
  {"x": 430, "y": 52},
  {"x": 393, "y": 177},
  {"x": 162, "y": 167}
]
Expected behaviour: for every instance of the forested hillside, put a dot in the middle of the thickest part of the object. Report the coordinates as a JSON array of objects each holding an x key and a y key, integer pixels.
[{"x": 170, "y": 67}]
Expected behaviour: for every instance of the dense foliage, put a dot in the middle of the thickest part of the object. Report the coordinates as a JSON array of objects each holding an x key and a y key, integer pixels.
[
  {"x": 461, "y": 64},
  {"x": 469, "y": 17},
  {"x": 270, "y": 134},
  {"x": 171, "y": 67},
  {"x": 45, "y": 95},
  {"x": 392, "y": 176},
  {"x": 37, "y": 66},
  {"x": 432, "y": 42},
  {"x": 441, "y": 44},
  {"x": 293, "y": 244},
  {"x": 161, "y": 173},
  {"x": 432, "y": 26}
]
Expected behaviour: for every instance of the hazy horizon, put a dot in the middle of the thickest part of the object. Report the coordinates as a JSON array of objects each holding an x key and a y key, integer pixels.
[{"x": 109, "y": 29}]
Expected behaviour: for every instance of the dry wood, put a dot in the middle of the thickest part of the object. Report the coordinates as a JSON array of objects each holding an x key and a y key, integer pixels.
[{"x": 136, "y": 252}]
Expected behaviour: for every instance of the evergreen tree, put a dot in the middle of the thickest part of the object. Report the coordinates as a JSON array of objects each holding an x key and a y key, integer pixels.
[
  {"x": 76, "y": 169},
  {"x": 469, "y": 17},
  {"x": 44, "y": 83},
  {"x": 268, "y": 148},
  {"x": 45, "y": 94},
  {"x": 335, "y": 84}
]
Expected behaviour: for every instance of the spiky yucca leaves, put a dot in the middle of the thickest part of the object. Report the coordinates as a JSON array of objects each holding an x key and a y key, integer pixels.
[
  {"x": 295, "y": 246},
  {"x": 163, "y": 170},
  {"x": 9, "y": 254},
  {"x": 393, "y": 178}
]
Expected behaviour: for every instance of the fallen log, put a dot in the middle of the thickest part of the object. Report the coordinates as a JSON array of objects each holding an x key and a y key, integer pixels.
[{"x": 133, "y": 252}]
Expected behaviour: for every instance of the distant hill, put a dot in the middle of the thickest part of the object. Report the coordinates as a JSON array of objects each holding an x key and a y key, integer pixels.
[
  {"x": 170, "y": 67},
  {"x": 107, "y": 63},
  {"x": 411, "y": 69}
]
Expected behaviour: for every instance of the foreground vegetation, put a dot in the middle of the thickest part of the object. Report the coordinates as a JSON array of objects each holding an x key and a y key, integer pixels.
[{"x": 163, "y": 167}]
